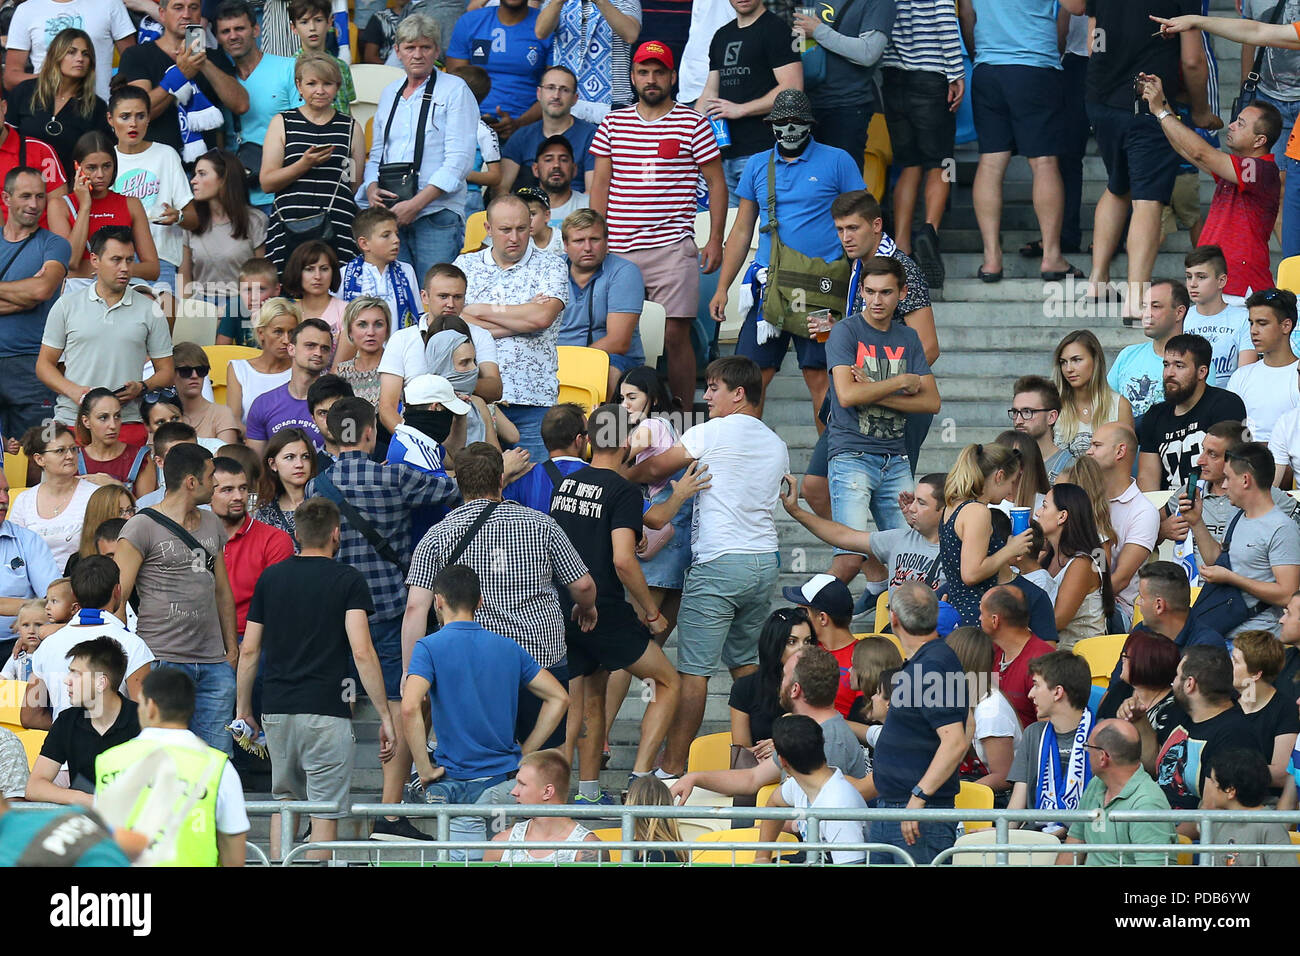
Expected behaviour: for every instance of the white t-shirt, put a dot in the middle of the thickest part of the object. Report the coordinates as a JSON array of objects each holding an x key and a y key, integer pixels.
[
  {"x": 746, "y": 462},
  {"x": 995, "y": 717},
  {"x": 1284, "y": 442},
  {"x": 62, "y": 533},
  {"x": 1267, "y": 393},
  {"x": 1228, "y": 333},
  {"x": 836, "y": 794},
  {"x": 156, "y": 176},
  {"x": 404, "y": 350},
  {"x": 575, "y": 202},
  {"x": 231, "y": 813},
  {"x": 50, "y": 660},
  {"x": 37, "y": 22}
]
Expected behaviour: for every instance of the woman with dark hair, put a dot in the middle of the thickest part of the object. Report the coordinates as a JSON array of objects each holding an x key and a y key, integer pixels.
[
  {"x": 92, "y": 205},
  {"x": 55, "y": 509},
  {"x": 59, "y": 105},
  {"x": 288, "y": 463},
  {"x": 311, "y": 275},
  {"x": 228, "y": 234},
  {"x": 1033, "y": 484},
  {"x": 1075, "y": 559},
  {"x": 99, "y": 422},
  {"x": 1148, "y": 664},
  {"x": 755, "y": 700}
]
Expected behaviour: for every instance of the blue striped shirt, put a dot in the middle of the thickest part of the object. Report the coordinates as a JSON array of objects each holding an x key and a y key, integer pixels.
[{"x": 925, "y": 38}]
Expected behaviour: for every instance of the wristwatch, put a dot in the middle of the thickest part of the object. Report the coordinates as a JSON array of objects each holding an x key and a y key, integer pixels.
[
  {"x": 1160, "y": 117},
  {"x": 918, "y": 792}
]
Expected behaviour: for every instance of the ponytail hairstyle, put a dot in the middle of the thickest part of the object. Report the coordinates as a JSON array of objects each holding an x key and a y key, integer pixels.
[
  {"x": 1079, "y": 536},
  {"x": 975, "y": 465}
]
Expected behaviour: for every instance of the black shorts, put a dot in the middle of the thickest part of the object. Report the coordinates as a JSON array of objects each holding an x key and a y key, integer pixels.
[
  {"x": 617, "y": 642},
  {"x": 1140, "y": 163},
  {"x": 922, "y": 130},
  {"x": 1018, "y": 109}
]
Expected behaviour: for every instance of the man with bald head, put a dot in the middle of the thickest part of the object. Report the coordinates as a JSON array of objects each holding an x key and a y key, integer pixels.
[
  {"x": 1136, "y": 521},
  {"x": 517, "y": 292},
  {"x": 1119, "y": 783}
]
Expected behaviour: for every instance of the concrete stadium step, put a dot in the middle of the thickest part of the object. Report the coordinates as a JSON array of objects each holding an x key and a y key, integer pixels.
[
  {"x": 962, "y": 265},
  {"x": 955, "y": 239}
]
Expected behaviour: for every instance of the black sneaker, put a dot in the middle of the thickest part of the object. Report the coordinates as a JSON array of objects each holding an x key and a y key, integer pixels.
[
  {"x": 399, "y": 830},
  {"x": 925, "y": 249}
]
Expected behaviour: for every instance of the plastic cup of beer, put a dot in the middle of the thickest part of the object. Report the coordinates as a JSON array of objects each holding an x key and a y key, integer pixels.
[{"x": 819, "y": 324}]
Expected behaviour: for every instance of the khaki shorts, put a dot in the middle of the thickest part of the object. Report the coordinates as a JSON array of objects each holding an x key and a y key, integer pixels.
[
  {"x": 672, "y": 276},
  {"x": 311, "y": 759},
  {"x": 1184, "y": 209}
]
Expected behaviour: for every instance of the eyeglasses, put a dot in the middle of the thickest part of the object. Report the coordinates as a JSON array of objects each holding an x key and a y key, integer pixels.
[
  {"x": 1095, "y": 747},
  {"x": 1015, "y": 414},
  {"x": 552, "y": 88},
  {"x": 156, "y": 395},
  {"x": 188, "y": 371},
  {"x": 126, "y": 512},
  {"x": 67, "y": 450}
]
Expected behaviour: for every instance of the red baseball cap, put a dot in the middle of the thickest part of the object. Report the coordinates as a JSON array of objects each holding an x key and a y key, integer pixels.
[{"x": 654, "y": 50}]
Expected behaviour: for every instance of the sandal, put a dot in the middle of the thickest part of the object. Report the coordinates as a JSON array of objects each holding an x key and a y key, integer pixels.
[{"x": 988, "y": 276}]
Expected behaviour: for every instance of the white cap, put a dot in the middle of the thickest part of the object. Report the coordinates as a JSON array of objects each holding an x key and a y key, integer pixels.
[{"x": 427, "y": 389}]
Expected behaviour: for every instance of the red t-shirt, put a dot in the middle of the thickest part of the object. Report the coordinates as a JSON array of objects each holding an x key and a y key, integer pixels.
[
  {"x": 250, "y": 551},
  {"x": 40, "y": 156},
  {"x": 1015, "y": 681},
  {"x": 125, "y": 467},
  {"x": 112, "y": 210},
  {"x": 1241, "y": 220},
  {"x": 846, "y": 695}
]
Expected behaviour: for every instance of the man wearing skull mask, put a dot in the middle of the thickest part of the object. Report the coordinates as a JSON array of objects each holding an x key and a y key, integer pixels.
[{"x": 808, "y": 177}]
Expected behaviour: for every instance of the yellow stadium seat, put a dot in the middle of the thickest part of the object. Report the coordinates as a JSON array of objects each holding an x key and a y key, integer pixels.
[
  {"x": 354, "y": 44},
  {"x": 219, "y": 359},
  {"x": 475, "y": 232},
  {"x": 974, "y": 796},
  {"x": 1137, "y": 612},
  {"x": 1288, "y": 274},
  {"x": 1295, "y": 839},
  {"x": 32, "y": 740},
  {"x": 16, "y": 470},
  {"x": 746, "y": 835},
  {"x": 882, "y": 611},
  {"x": 612, "y": 834},
  {"x": 584, "y": 375},
  {"x": 878, "y": 156},
  {"x": 370, "y": 133},
  {"x": 12, "y": 694},
  {"x": 1102, "y": 654},
  {"x": 1196, "y": 592},
  {"x": 765, "y": 793},
  {"x": 1185, "y": 859},
  {"x": 710, "y": 752}
]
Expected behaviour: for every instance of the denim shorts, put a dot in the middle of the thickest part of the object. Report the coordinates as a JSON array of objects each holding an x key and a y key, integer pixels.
[
  {"x": 725, "y": 603},
  {"x": 386, "y": 636},
  {"x": 864, "y": 485}
]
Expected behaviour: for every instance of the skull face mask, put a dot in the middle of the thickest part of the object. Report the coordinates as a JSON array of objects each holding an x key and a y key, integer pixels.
[{"x": 791, "y": 136}]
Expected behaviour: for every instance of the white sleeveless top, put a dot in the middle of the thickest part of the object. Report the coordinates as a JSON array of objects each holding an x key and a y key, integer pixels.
[
  {"x": 518, "y": 849},
  {"x": 1089, "y": 620},
  {"x": 62, "y": 533},
  {"x": 254, "y": 383}
]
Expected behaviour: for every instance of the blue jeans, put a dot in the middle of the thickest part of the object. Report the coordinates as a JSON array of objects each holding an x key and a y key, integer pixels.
[
  {"x": 932, "y": 839},
  {"x": 166, "y": 276},
  {"x": 528, "y": 419},
  {"x": 25, "y": 401},
  {"x": 430, "y": 240},
  {"x": 731, "y": 169},
  {"x": 863, "y": 484},
  {"x": 724, "y": 605},
  {"x": 214, "y": 701},
  {"x": 478, "y": 790},
  {"x": 1291, "y": 169}
]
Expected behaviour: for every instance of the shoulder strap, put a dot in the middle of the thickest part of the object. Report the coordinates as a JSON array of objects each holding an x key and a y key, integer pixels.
[
  {"x": 424, "y": 115},
  {"x": 553, "y": 471},
  {"x": 470, "y": 532},
  {"x": 1252, "y": 79},
  {"x": 1227, "y": 536},
  {"x": 141, "y": 456},
  {"x": 932, "y": 576},
  {"x": 180, "y": 531},
  {"x": 771, "y": 194},
  {"x": 359, "y": 522}
]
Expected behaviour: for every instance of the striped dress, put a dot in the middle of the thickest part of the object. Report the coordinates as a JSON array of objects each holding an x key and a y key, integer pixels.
[{"x": 310, "y": 195}]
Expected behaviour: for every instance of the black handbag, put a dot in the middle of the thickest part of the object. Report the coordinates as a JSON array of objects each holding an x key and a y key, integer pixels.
[
  {"x": 249, "y": 155},
  {"x": 403, "y": 179},
  {"x": 1248, "y": 88},
  {"x": 1222, "y": 607}
]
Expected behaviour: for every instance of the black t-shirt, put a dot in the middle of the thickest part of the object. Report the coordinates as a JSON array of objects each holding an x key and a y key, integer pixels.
[
  {"x": 301, "y": 604},
  {"x": 73, "y": 740},
  {"x": 1178, "y": 439},
  {"x": 1277, "y": 717},
  {"x": 589, "y": 505},
  {"x": 1288, "y": 679},
  {"x": 746, "y": 60},
  {"x": 146, "y": 61},
  {"x": 1126, "y": 47},
  {"x": 1189, "y": 749},
  {"x": 746, "y": 696},
  {"x": 1042, "y": 614}
]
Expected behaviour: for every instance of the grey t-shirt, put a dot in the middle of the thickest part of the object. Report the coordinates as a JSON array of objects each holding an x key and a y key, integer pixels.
[
  {"x": 1253, "y": 834},
  {"x": 873, "y": 429},
  {"x": 842, "y": 748},
  {"x": 1024, "y": 765},
  {"x": 906, "y": 555},
  {"x": 1279, "y": 73},
  {"x": 1258, "y": 545},
  {"x": 178, "y": 594},
  {"x": 1217, "y": 511}
]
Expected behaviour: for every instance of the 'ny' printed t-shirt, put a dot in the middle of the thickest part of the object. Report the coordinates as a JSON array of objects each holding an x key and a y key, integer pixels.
[{"x": 873, "y": 429}]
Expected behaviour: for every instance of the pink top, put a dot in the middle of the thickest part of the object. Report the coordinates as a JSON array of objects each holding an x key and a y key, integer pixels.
[{"x": 662, "y": 437}]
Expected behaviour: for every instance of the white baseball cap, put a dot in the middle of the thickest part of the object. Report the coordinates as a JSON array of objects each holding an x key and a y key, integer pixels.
[{"x": 427, "y": 389}]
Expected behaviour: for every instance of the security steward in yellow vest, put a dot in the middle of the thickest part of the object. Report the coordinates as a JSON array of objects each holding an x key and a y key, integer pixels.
[{"x": 213, "y": 830}]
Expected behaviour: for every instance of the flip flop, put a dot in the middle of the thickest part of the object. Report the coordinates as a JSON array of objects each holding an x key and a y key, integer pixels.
[{"x": 1073, "y": 271}]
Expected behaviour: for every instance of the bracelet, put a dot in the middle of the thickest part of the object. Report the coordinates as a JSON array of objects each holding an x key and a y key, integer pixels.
[{"x": 655, "y": 618}]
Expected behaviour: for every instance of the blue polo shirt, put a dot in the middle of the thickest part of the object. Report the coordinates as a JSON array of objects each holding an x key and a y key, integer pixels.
[
  {"x": 929, "y": 693},
  {"x": 522, "y": 145},
  {"x": 271, "y": 90},
  {"x": 616, "y": 287},
  {"x": 512, "y": 55},
  {"x": 26, "y": 569},
  {"x": 805, "y": 188}
]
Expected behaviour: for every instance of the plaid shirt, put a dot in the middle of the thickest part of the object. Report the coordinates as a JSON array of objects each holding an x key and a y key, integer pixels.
[
  {"x": 519, "y": 554},
  {"x": 385, "y": 495}
]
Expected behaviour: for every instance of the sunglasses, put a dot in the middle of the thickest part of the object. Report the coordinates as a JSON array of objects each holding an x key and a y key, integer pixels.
[
  {"x": 188, "y": 371},
  {"x": 156, "y": 395}
]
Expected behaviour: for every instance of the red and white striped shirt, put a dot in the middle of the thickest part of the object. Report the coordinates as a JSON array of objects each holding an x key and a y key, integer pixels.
[{"x": 656, "y": 165}]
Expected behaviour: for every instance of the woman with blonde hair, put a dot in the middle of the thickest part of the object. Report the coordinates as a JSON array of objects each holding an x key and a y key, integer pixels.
[
  {"x": 650, "y": 791},
  {"x": 996, "y": 728},
  {"x": 1033, "y": 482},
  {"x": 366, "y": 327},
  {"x": 61, "y": 103},
  {"x": 1079, "y": 372},
  {"x": 248, "y": 378},
  {"x": 970, "y": 553}
]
